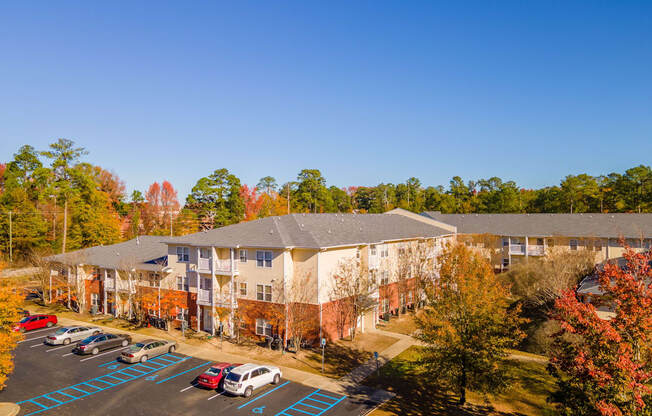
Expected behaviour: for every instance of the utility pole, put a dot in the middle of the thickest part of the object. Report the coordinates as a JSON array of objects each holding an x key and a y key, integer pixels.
[{"x": 11, "y": 248}]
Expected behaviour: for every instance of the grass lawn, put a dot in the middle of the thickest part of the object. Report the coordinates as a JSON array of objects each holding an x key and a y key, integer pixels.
[
  {"x": 403, "y": 324},
  {"x": 417, "y": 394}
]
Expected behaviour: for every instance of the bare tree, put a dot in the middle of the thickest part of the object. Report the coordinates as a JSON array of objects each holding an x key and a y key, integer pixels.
[
  {"x": 352, "y": 293},
  {"x": 300, "y": 297}
]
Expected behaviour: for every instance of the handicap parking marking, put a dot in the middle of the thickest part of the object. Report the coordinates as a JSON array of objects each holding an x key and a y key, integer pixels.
[
  {"x": 91, "y": 387},
  {"x": 263, "y": 395},
  {"x": 314, "y": 404}
]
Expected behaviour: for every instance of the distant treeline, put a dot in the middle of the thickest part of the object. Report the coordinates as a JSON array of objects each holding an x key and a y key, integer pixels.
[{"x": 54, "y": 200}]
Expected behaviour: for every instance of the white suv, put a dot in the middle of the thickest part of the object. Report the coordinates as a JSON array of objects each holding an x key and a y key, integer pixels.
[{"x": 243, "y": 380}]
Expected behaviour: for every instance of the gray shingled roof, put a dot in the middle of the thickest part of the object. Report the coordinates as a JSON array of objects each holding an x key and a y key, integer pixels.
[
  {"x": 314, "y": 231},
  {"x": 144, "y": 253},
  {"x": 542, "y": 225}
]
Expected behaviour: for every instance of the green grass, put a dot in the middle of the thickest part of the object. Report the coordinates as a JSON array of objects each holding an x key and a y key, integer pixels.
[{"x": 417, "y": 394}]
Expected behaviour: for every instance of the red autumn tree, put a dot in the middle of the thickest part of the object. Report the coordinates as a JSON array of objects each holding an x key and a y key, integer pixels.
[
  {"x": 160, "y": 208},
  {"x": 604, "y": 366},
  {"x": 252, "y": 201}
]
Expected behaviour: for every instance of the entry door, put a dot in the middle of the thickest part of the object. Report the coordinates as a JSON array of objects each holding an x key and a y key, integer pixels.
[{"x": 207, "y": 321}]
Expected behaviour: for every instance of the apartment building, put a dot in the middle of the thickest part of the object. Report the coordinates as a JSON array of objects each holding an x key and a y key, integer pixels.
[
  {"x": 511, "y": 238},
  {"x": 243, "y": 269}
]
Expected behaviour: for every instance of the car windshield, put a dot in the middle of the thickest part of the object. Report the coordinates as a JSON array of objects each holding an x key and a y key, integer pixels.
[
  {"x": 233, "y": 377},
  {"x": 61, "y": 331},
  {"x": 136, "y": 347},
  {"x": 22, "y": 321},
  {"x": 213, "y": 371}
]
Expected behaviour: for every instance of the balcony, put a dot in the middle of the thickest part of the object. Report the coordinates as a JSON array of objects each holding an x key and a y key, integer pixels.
[
  {"x": 535, "y": 250},
  {"x": 373, "y": 262},
  {"x": 518, "y": 249},
  {"x": 224, "y": 266},
  {"x": 123, "y": 285},
  {"x": 204, "y": 297}
]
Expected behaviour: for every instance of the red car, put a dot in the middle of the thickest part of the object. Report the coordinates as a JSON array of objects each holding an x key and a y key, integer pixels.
[
  {"x": 214, "y": 376},
  {"x": 31, "y": 322}
]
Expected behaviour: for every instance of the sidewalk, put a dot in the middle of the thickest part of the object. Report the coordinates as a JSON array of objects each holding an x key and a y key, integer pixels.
[{"x": 348, "y": 385}]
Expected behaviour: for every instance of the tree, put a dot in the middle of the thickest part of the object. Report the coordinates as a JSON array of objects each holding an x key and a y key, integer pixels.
[
  {"x": 11, "y": 303},
  {"x": 64, "y": 154},
  {"x": 604, "y": 367},
  {"x": 216, "y": 199},
  {"x": 467, "y": 324},
  {"x": 253, "y": 202},
  {"x": 311, "y": 194},
  {"x": 352, "y": 294},
  {"x": 300, "y": 295},
  {"x": 171, "y": 301},
  {"x": 267, "y": 185}
]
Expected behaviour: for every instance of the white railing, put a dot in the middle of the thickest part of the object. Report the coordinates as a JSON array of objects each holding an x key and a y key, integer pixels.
[
  {"x": 517, "y": 249},
  {"x": 224, "y": 266},
  {"x": 535, "y": 250},
  {"x": 205, "y": 264},
  {"x": 123, "y": 285},
  {"x": 204, "y": 296},
  {"x": 373, "y": 262},
  {"x": 109, "y": 284}
]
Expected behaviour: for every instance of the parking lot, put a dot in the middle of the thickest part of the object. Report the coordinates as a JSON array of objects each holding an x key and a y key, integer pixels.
[{"x": 53, "y": 380}]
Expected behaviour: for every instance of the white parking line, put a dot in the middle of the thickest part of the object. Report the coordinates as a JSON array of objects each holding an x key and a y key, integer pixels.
[
  {"x": 37, "y": 345},
  {"x": 104, "y": 353},
  {"x": 187, "y": 388},
  {"x": 32, "y": 339},
  {"x": 52, "y": 328},
  {"x": 70, "y": 353},
  {"x": 218, "y": 394},
  {"x": 58, "y": 348}
]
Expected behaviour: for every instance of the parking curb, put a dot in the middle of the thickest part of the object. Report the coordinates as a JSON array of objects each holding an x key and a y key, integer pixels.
[{"x": 9, "y": 409}]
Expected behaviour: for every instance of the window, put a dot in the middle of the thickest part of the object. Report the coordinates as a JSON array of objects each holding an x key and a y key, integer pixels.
[
  {"x": 539, "y": 241},
  {"x": 204, "y": 253},
  {"x": 384, "y": 277},
  {"x": 182, "y": 314},
  {"x": 264, "y": 292},
  {"x": 372, "y": 250},
  {"x": 95, "y": 299},
  {"x": 95, "y": 273},
  {"x": 153, "y": 278},
  {"x": 243, "y": 256},
  {"x": 409, "y": 297},
  {"x": 505, "y": 242},
  {"x": 384, "y": 251},
  {"x": 505, "y": 261},
  {"x": 597, "y": 245},
  {"x": 263, "y": 259},
  {"x": 263, "y": 327},
  {"x": 183, "y": 253},
  {"x": 402, "y": 300},
  {"x": 243, "y": 288},
  {"x": 182, "y": 283},
  {"x": 551, "y": 242},
  {"x": 573, "y": 244},
  {"x": 384, "y": 306}
]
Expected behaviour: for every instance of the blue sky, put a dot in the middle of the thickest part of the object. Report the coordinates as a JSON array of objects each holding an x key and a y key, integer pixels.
[{"x": 367, "y": 92}]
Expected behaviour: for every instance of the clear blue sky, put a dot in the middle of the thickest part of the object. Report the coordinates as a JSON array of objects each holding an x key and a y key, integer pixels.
[{"x": 364, "y": 91}]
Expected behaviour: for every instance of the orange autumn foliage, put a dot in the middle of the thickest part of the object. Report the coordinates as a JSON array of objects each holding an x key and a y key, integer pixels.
[{"x": 11, "y": 303}]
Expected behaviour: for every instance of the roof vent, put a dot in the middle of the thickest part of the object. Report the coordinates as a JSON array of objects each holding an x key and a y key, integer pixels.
[
  {"x": 271, "y": 231},
  {"x": 329, "y": 231}
]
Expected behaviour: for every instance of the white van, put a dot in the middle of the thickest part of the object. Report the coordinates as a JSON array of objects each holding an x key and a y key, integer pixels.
[{"x": 244, "y": 379}]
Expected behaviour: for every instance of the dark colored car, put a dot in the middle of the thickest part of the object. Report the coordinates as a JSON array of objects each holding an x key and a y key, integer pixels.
[
  {"x": 214, "y": 376},
  {"x": 32, "y": 322},
  {"x": 100, "y": 342}
]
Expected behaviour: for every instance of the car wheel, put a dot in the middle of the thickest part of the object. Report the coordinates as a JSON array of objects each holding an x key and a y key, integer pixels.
[
  {"x": 171, "y": 349},
  {"x": 248, "y": 391},
  {"x": 95, "y": 351},
  {"x": 96, "y": 332},
  {"x": 49, "y": 324},
  {"x": 143, "y": 358},
  {"x": 66, "y": 341},
  {"x": 125, "y": 342},
  {"x": 277, "y": 378}
]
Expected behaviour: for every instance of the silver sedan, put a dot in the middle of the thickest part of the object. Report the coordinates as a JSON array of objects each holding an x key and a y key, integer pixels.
[{"x": 69, "y": 334}]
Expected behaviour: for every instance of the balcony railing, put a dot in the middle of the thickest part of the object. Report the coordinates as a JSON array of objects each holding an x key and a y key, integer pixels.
[
  {"x": 224, "y": 266},
  {"x": 535, "y": 250},
  {"x": 204, "y": 296},
  {"x": 205, "y": 265},
  {"x": 517, "y": 249},
  {"x": 123, "y": 285}
]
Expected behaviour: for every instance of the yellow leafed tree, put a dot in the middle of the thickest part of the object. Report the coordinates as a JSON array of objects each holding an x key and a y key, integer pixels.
[{"x": 10, "y": 305}]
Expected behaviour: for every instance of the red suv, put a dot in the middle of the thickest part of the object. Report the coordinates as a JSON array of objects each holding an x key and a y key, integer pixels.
[
  {"x": 31, "y": 322},
  {"x": 214, "y": 376}
]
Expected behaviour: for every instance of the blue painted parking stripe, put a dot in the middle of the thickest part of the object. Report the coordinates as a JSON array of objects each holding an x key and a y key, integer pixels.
[
  {"x": 164, "y": 359},
  {"x": 88, "y": 393},
  {"x": 103, "y": 381},
  {"x": 134, "y": 369},
  {"x": 65, "y": 394},
  {"x": 177, "y": 375},
  {"x": 109, "y": 363},
  {"x": 323, "y": 395},
  {"x": 301, "y": 402},
  {"x": 263, "y": 395},
  {"x": 309, "y": 405},
  {"x": 149, "y": 368}
]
